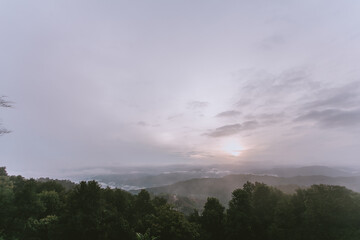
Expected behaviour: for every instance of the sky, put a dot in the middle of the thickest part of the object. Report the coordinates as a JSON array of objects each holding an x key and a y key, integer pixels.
[{"x": 133, "y": 83}]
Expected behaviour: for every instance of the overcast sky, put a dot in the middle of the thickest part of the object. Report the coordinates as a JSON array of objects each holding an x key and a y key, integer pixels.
[{"x": 115, "y": 83}]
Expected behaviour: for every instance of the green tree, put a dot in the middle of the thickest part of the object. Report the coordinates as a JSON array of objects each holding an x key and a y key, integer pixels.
[
  {"x": 7, "y": 207},
  {"x": 213, "y": 219},
  {"x": 239, "y": 214},
  {"x": 145, "y": 236},
  {"x": 116, "y": 214},
  {"x": 264, "y": 204},
  {"x": 42, "y": 229},
  {"x": 51, "y": 201},
  {"x": 169, "y": 224},
  {"x": 331, "y": 212},
  {"x": 26, "y": 199},
  {"x": 3, "y": 172},
  {"x": 83, "y": 214},
  {"x": 142, "y": 208}
]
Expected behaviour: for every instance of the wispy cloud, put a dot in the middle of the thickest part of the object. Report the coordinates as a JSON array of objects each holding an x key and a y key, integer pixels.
[
  {"x": 231, "y": 113},
  {"x": 197, "y": 104},
  {"x": 232, "y": 129},
  {"x": 142, "y": 123},
  {"x": 333, "y": 117},
  {"x": 340, "y": 97}
]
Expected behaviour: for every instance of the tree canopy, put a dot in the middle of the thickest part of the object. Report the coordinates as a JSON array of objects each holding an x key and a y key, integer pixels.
[{"x": 49, "y": 209}]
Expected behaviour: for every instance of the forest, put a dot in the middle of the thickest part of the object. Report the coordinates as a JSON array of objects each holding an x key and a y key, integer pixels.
[{"x": 53, "y": 209}]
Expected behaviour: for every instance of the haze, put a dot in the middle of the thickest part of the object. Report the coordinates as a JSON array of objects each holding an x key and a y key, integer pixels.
[{"x": 133, "y": 83}]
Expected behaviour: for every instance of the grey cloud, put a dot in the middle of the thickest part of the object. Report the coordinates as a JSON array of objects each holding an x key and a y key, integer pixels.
[
  {"x": 272, "y": 41},
  {"x": 261, "y": 82},
  {"x": 142, "y": 123},
  {"x": 268, "y": 119},
  {"x": 333, "y": 117},
  {"x": 231, "y": 113},
  {"x": 243, "y": 102},
  {"x": 344, "y": 96},
  {"x": 228, "y": 130},
  {"x": 197, "y": 104},
  {"x": 176, "y": 116},
  {"x": 337, "y": 100},
  {"x": 293, "y": 76},
  {"x": 225, "y": 130},
  {"x": 264, "y": 89},
  {"x": 266, "y": 116},
  {"x": 291, "y": 81},
  {"x": 249, "y": 125}
]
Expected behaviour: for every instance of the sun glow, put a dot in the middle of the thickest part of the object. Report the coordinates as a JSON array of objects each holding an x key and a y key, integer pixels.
[{"x": 231, "y": 147}]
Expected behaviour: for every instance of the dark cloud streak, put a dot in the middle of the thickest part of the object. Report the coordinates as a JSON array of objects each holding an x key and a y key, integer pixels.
[
  {"x": 333, "y": 117},
  {"x": 232, "y": 129},
  {"x": 232, "y": 113},
  {"x": 341, "y": 97}
]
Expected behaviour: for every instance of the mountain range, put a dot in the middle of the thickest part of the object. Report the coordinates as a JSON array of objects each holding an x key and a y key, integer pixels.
[{"x": 222, "y": 188}]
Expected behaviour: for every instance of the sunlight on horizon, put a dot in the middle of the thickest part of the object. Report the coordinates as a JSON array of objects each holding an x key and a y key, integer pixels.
[{"x": 232, "y": 147}]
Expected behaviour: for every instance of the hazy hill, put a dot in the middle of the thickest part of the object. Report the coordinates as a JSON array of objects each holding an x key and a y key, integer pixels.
[
  {"x": 148, "y": 178},
  {"x": 306, "y": 171},
  {"x": 138, "y": 181},
  {"x": 222, "y": 187}
]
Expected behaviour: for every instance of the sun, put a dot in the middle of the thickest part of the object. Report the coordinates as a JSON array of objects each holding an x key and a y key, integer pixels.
[{"x": 231, "y": 147}]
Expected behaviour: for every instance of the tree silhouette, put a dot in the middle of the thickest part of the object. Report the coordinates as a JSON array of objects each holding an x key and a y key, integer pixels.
[
  {"x": 213, "y": 219},
  {"x": 44, "y": 210}
]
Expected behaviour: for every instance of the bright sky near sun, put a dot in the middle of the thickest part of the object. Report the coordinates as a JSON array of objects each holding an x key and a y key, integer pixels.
[{"x": 114, "y": 83}]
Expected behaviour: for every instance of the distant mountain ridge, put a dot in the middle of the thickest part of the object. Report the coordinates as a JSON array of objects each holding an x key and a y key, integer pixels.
[
  {"x": 140, "y": 180},
  {"x": 222, "y": 188},
  {"x": 307, "y": 171}
]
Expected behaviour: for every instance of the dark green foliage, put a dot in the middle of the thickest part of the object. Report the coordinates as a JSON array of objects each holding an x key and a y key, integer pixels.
[
  {"x": 145, "y": 236},
  {"x": 83, "y": 212},
  {"x": 213, "y": 220},
  {"x": 329, "y": 212},
  {"x": 169, "y": 224},
  {"x": 182, "y": 204},
  {"x": 239, "y": 215},
  {"x": 56, "y": 185},
  {"x": 3, "y": 171},
  {"x": 46, "y": 209},
  {"x": 7, "y": 207}
]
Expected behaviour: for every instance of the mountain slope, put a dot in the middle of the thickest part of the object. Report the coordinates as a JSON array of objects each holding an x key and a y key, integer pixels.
[
  {"x": 222, "y": 188},
  {"x": 306, "y": 171}
]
